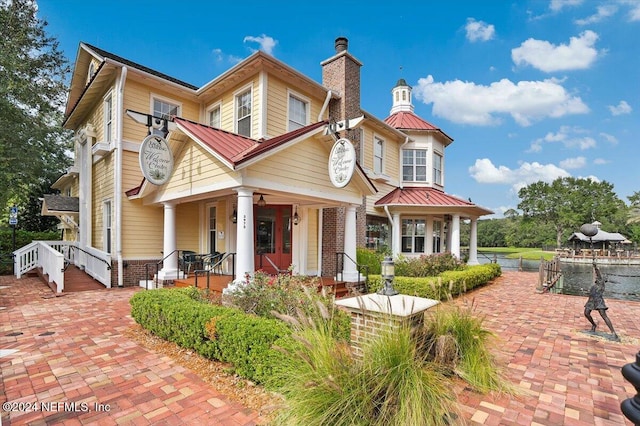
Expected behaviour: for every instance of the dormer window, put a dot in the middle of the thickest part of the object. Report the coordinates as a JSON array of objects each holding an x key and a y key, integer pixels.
[
  {"x": 243, "y": 113},
  {"x": 298, "y": 112}
]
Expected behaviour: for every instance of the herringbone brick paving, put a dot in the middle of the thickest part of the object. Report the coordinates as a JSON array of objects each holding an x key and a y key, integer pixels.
[{"x": 564, "y": 377}]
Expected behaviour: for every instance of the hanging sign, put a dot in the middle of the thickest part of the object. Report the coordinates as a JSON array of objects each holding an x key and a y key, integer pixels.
[
  {"x": 156, "y": 159},
  {"x": 342, "y": 162}
]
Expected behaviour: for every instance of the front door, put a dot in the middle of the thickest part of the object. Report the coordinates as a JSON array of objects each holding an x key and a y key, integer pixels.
[{"x": 273, "y": 227}]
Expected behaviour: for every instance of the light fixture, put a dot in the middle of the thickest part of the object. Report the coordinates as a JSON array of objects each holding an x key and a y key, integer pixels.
[
  {"x": 388, "y": 274},
  {"x": 234, "y": 215},
  {"x": 296, "y": 218},
  {"x": 261, "y": 202}
]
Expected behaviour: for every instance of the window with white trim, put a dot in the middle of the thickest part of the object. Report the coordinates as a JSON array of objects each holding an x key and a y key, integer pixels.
[
  {"x": 378, "y": 155},
  {"x": 414, "y": 165},
  {"x": 106, "y": 225},
  {"x": 298, "y": 112},
  {"x": 214, "y": 116},
  {"x": 243, "y": 113},
  {"x": 165, "y": 109},
  {"x": 437, "y": 168},
  {"x": 108, "y": 118},
  {"x": 413, "y": 233}
]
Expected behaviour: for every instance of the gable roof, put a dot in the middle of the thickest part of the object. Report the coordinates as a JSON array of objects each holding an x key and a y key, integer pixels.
[
  {"x": 428, "y": 197},
  {"x": 233, "y": 149},
  {"x": 406, "y": 120},
  {"x": 132, "y": 64},
  {"x": 60, "y": 203},
  {"x": 600, "y": 236}
]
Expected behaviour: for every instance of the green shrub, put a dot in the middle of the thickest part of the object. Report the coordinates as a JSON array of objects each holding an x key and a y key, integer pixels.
[
  {"x": 427, "y": 265},
  {"x": 288, "y": 295},
  {"x": 370, "y": 258},
  {"x": 215, "y": 332},
  {"x": 448, "y": 283}
]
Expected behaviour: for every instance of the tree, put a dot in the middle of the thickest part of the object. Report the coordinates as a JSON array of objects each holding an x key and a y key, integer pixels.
[
  {"x": 33, "y": 145},
  {"x": 569, "y": 202}
]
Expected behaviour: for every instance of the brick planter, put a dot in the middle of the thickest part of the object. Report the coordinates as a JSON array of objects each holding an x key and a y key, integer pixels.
[{"x": 373, "y": 312}]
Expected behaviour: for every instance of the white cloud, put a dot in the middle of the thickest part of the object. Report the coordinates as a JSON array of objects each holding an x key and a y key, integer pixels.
[
  {"x": 267, "y": 44},
  {"x": 570, "y": 137},
  {"x": 622, "y": 108},
  {"x": 479, "y": 30},
  {"x": 547, "y": 57},
  {"x": 573, "y": 163},
  {"x": 634, "y": 11},
  {"x": 483, "y": 171},
  {"x": 470, "y": 103},
  {"x": 220, "y": 56},
  {"x": 600, "y": 161},
  {"x": 557, "y": 5},
  {"x": 602, "y": 12},
  {"x": 609, "y": 138}
]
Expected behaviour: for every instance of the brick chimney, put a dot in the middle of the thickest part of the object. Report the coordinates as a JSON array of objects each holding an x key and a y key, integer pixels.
[{"x": 341, "y": 74}]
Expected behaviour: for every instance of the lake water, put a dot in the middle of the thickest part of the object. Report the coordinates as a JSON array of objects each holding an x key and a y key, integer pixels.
[{"x": 623, "y": 281}]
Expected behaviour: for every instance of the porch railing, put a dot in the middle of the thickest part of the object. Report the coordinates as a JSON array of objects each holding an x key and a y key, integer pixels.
[
  {"x": 363, "y": 270},
  {"x": 272, "y": 263},
  {"x": 216, "y": 268}
]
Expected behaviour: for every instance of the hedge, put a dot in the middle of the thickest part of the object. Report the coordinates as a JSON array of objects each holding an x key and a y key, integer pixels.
[
  {"x": 447, "y": 283},
  {"x": 222, "y": 333}
]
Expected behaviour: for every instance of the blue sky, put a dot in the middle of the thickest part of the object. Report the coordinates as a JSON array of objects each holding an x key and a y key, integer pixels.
[{"x": 528, "y": 90}]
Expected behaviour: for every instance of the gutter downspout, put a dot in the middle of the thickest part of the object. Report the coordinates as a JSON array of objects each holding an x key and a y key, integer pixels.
[
  {"x": 118, "y": 175},
  {"x": 406, "y": 141},
  {"x": 325, "y": 105}
]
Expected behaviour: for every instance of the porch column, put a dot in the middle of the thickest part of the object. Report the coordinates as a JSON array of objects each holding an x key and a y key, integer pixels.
[
  {"x": 350, "y": 271},
  {"x": 170, "y": 266},
  {"x": 455, "y": 235},
  {"x": 473, "y": 243},
  {"x": 429, "y": 235},
  {"x": 245, "y": 263},
  {"x": 396, "y": 235}
]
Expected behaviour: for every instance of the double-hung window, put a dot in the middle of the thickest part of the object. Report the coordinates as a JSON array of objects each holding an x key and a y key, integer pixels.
[
  {"x": 414, "y": 165},
  {"x": 298, "y": 112},
  {"x": 106, "y": 225},
  {"x": 165, "y": 109},
  {"x": 378, "y": 155},
  {"x": 243, "y": 113},
  {"x": 437, "y": 168},
  {"x": 108, "y": 118},
  {"x": 413, "y": 233},
  {"x": 214, "y": 117}
]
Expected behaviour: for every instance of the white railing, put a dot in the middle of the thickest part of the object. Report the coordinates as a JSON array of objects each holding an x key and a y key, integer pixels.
[
  {"x": 25, "y": 259},
  {"x": 52, "y": 263},
  {"x": 95, "y": 263}
]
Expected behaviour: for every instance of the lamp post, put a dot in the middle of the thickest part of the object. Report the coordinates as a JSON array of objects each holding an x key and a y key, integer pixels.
[{"x": 388, "y": 274}]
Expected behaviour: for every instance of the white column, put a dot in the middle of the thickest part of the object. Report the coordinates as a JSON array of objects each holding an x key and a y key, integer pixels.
[
  {"x": 455, "y": 236},
  {"x": 429, "y": 235},
  {"x": 350, "y": 271},
  {"x": 473, "y": 243},
  {"x": 245, "y": 263},
  {"x": 170, "y": 266},
  {"x": 396, "y": 235}
]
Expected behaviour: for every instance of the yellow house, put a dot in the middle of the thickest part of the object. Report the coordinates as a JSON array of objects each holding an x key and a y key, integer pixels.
[{"x": 262, "y": 165}]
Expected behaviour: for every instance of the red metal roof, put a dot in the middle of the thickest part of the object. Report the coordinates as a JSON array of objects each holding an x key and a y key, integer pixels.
[
  {"x": 234, "y": 148},
  {"x": 408, "y": 120},
  {"x": 421, "y": 196},
  {"x": 227, "y": 145}
]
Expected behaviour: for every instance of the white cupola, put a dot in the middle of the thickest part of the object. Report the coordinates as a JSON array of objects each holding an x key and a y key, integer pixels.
[{"x": 401, "y": 94}]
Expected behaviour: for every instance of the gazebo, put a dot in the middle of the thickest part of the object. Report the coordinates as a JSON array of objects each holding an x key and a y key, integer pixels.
[{"x": 603, "y": 240}]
